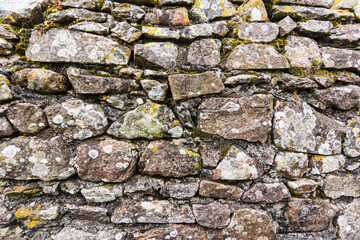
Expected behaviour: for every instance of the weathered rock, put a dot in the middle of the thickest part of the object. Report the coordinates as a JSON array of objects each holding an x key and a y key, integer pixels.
[
  {"x": 306, "y": 215},
  {"x": 86, "y": 83},
  {"x": 219, "y": 190},
  {"x": 125, "y": 32},
  {"x": 315, "y": 28},
  {"x": 288, "y": 81},
  {"x": 324, "y": 81},
  {"x": 69, "y": 15},
  {"x": 90, "y": 27},
  {"x": 253, "y": 11},
  {"x": 174, "y": 2},
  {"x": 108, "y": 6},
  {"x": 75, "y": 233},
  {"x": 76, "y": 119},
  {"x": 105, "y": 193},
  {"x": 6, "y": 47},
  {"x": 27, "y": 117},
  {"x": 86, "y": 212},
  {"x": 39, "y": 215},
  {"x": 344, "y": 4},
  {"x": 326, "y": 164},
  {"x": 40, "y": 80},
  {"x": 160, "y": 32},
  {"x": 204, "y": 53},
  {"x": 336, "y": 58},
  {"x": 60, "y": 45},
  {"x": 344, "y": 36},
  {"x": 5, "y": 92},
  {"x": 6, "y": 32},
  {"x": 291, "y": 165},
  {"x": 247, "y": 79},
  {"x": 338, "y": 186},
  {"x": 155, "y": 74},
  {"x": 286, "y": 25},
  {"x": 250, "y": 224},
  {"x": 131, "y": 72},
  {"x": 301, "y": 51},
  {"x": 106, "y": 159},
  {"x": 88, "y": 4},
  {"x": 266, "y": 193},
  {"x": 5, "y": 128},
  {"x": 149, "y": 120},
  {"x": 5, "y": 215},
  {"x": 214, "y": 215},
  {"x": 236, "y": 165},
  {"x": 351, "y": 140},
  {"x": 168, "y": 17},
  {"x": 140, "y": 185},
  {"x": 155, "y": 90},
  {"x": 314, "y": 3},
  {"x": 216, "y": 29},
  {"x": 302, "y": 186},
  {"x": 185, "y": 86},
  {"x": 247, "y": 118},
  {"x": 255, "y": 56},
  {"x": 156, "y": 54},
  {"x": 298, "y": 127},
  {"x": 349, "y": 222},
  {"x": 210, "y": 155},
  {"x": 153, "y": 212},
  {"x": 33, "y": 158},
  {"x": 343, "y": 98},
  {"x": 207, "y": 10},
  {"x": 177, "y": 158},
  {"x": 180, "y": 190},
  {"x": 126, "y": 11},
  {"x": 258, "y": 32},
  {"x": 175, "y": 231},
  {"x": 125, "y": 101}
]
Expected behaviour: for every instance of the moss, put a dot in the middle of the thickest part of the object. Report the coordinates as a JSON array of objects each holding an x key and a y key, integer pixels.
[
  {"x": 316, "y": 61},
  {"x": 279, "y": 44},
  {"x": 224, "y": 151},
  {"x": 202, "y": 135}
]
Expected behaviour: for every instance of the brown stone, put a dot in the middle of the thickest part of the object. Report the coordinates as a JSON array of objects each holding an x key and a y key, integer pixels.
[
  {"x": 337, "y": 186},
  {"x": 141, "y": 185},
  {"x": 168, "y": 17},
  {"x": 291, "y": 165},
  {"x": 266, "y": 193},
  {"x": 180, "y": 190},
  {"x": 214, "y": 215},
  {"x": 210, "y": 156},
  {"x": 302, "y": 186},
  {"x": 174, "y": 232},
  {"x": 93, "y": 213},
  {"x": 219, "y": 190},
  {"x": 5, "y": 127}
]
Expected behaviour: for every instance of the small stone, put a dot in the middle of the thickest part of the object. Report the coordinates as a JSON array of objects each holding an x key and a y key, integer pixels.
[
  {"x": 177, "y": 230},
  {"x": 351, "y": 140},
  {"x": 219, "y": 190},
  {"x": 38, "y": 215},
  {"x": 286, "y": 25},
  {"x": 93, "y": 213},
  {"x": 214, "y": 215},
  {"x": 141, "y": 185},
  {"x": 324, "y": 81},
  {"x": 107, "y": 6},
  {"x": 210, "y": 156},
  {"x": 253, "y": 11},
  {"x": 247, "y": 79},
  {"x": 326, "y": 164},
  {"x": 90, "y": 27},
  {"x": 6, "y": 32},
  {"x": 302, "y": 186},
  {"x": 5, "y": 92},
  {"x": 168, "y": 17},
  {"x": 129, "y": 12},
  {"x": 6, "y": 47},
  {"x": 88, "y": 4},
  {"x": 301, "y": 51},
  {"x": 101, "y": 194},
  {"x": 174, "y": 2},
  {"x": 315, "y": 28},
  {"x": 131, "y": 72},
  {"x": 155, "y": 90},
  {"x": 349, "y": 221},
  {"x": 204, "y": 53},
  {"x": 338, "y": 186},
  {"x": 6, "y": 215},
  {"x": 160, "y": 33},
  {"x": 258, "y": 32},
  {"x": 76, "y": 119},
  {"x": 207, "y": 10},
  {"x": 291, "y": 165},
  {"x": 90, "y": 233},
  {"x": 216, "y": 29},
  {"x": 125, "y": 32},
  {"x": 336, "y": 58},
  {"x": 177, "y": 158},
  {"x": 155, "y": 74},
  {"x": 314, "y": 3},
  {"x": 185, "y": 86},
  {"x": 5, "y": 128},
  {"x": 27, "y": 118},
  {"x": 288, "y": 81},
  {"x": 180, "y": 190},
  {"x": 344, "y": 4},
  {"x": 125, "y": 101},
  {"x": 266, "y": 193},
  {"x": 153, "y": 212},
  {"x": 69, "y": 15},
  {"x": 236, "y": 165}
]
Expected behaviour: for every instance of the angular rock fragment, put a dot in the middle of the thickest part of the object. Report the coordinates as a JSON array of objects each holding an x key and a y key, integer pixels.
[
  {"x": 253, "y": 11},
  {"x": 174, "y": 2},
  {"x": 5, "y": 92},
  {"x": 155, "y": 90},
  {"x": 314, "y": 3},
  {"x": 6, "y": 216},
  {"x": 204, "y": 53},
  {"x": 125, "y": 101},
  {"x": 291, "y": 165},
  {"x": 141, "y": 185},
  {"x": 153, "y": 212},
  {"x": 286, "y": 25},
  {"x": 180, "y": 190},
  {"x": 75, "y": 233},
  {"x": 351, "y": 140},
  {"x": 210, "y": 155},
  {"x": 349, "y": 222},
  {"x": 149, "y": 120},
  {"x": 176, "y": 158},
  {"x": 6, "y": 47},
  {"x": 6, "y": 32},
  {"x": 207, "y": 10},
  {"x": 336, "y": 58},
  {"x": 219, "y": 190},
  {"x": 266, "y": 193},
  {"x": 302, "y": 186},
  {"x": 168, "y": 17},
  {"x": 344, "y": 4},
  {"x": 258, "y": 32},
  {"x": 88, "y": 4},
  {"x": 288, "y": 81},
  {"x": 5, "y": 128},
  {"x": 86, "y": 212},
  {"x": 343, "y": 98},
  {"x": 315, "y": 28},
  {"x": 125, "y": 32},
  {"x": 175, "y": 231},
  {"x": 101, "y": 194},
  {"x": 130, "y": 12},
  {"x": 326, "y": 164},
  {"x": 301, "y": 51},
  {"x": 214, "y": 215},
  {"x": 159, "y": 32},
  {"x": 247, "y": 118},
  {"x": 345, "y": 36},
  {"x": 76, "y": 119},
  {"x": 156, "y": 54},
  {"x": 90, "y": 27},
  {"x": 216, "y": 29},
  {"x": 60, "y": 45},
  {"x": 69, "y": 15},
  {"x": 185, "y": 86},
  {"x": 38, "y": 215},
  {"x": 338, "y": 186}
]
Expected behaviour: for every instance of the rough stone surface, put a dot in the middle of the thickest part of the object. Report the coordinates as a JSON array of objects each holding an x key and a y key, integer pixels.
[
  {"x": 301, "y": 51},
  {"x": 168, "y": 17},
  {"x": 258, "y": 32},
  {"x": 74, "y": 233},
  {"x": 101, "y": 194},
  {"x": 40, "y": 214},
  {"x": 219, "y": 190},
  {"x": 159, "y": 32},
  {"x": 175, "y": 231},
  {"x": 286, "y": 25},
  {"x": 345, "y": 36},
  {"x": 214, "y": 215},
  {"x": 343, "y": 98},
  {"x": 336, "y": 58},
  {"x": 314, "y": 3},
  {"x": 5, "y": 92},
  {"x": 90, "y": 27},
  {"x": 130, "y": 12},
  {"x": 142, "y": 185},
  {"x": 288, "y": 81},
  {"x": 253, "y": 11},
  {"x": 6, "y": 32},
  {"x": 217, "y": 29},
  {"x": 5, "y": 127},
  {"x": 174, "y": 2},
  {"x": 349, "y": 222},
  {"x": 86, "y": 212},
  {"x": 180, "y": 190},
  {"x": 207, "y": 10},
  {"x": 205, "y": 53},
  {"x": 210, "y": 156},
  {"x": 338, "y": 186},
  {"x": 88, "y": 4},
  {"x": 6, "y": 48},
  {"x": 351, "y": 140},
  {"x": 70, "y": 15},
  {"x": 302, "y": 186},
  {"x": 125, "y": 32},
  {"x": 266, "y": 193},
  {"x": 292, "y": 165},
  {"x": 155, "y": 90},
  {"x": 315, "y": 28},
  {"x": 326, "y": 164}
]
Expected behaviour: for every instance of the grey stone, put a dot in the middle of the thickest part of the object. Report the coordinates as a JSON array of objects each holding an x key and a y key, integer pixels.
[
  {"x": 253, "y": 11},
  {"x": 155, "y": 74},
  {"x": 258, "y": 32},
  {"x": 69, "y": 15},
  {"x": 90, "y": 27},
  {"x": 343, "y": 98},
  {"x": 344, "y": 36},
  {"x": 315, "y": 28},
  {"x": 76, "y": 233},
  {"x": 6, "y": 32},
  {"x": 176, "y": 231},
  {"x": 160, "y": 32},
  {"x": 155, "y": 90},
  {"x": 214, "y": 215},
  {"x": 125, "y": 32},
  {"x": 141, "y": 185},
  {"x": 6, "y": 215},
  {"x": 338, "y": 186},
  {"x": 130, "y": 12},
  {"x": 247, "y": 79},
  {"x": 286, "y": 25},
  {"x": 180, "y": 190},
  {"x": 204, "y": 53},
  {"x": 266, "y": 193},
  {"x": 86, "y": 212},
  {"x": 302, "y": 186},
  {"x": 6, "y": 48},
  {"x": 301, "y": 51},
  {"x": 336, "y": 58},
  {"x": 344, "y": 4},
  {"x": 326, "y": 164},
  {"x": 349, "y": 221},
  {"x": 216, "y": 29},
  {"x": 314, "y": 3},
  {"x": 101, "y": 194},
  {"x": 207, "y": 10},
  {"x": 291, "y": 165},
  {"x": 219, "y": 190},
  {"x": 210, "y": 155},
  {"x": 351, "y": 140},
  {"x": 5, "y": 92},
  {"x": 288, "y": 81},
  {"x": 88, "y": 4},
  {"x": 5, "y": 128}
]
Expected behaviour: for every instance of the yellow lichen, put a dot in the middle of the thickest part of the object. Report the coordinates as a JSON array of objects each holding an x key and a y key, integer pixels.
[
  {"x": 191, "y": 153},
  {"x": 176, "y": 123},
  {"x": 22, "y": 213},
  {"x": 154, "y": 149}
]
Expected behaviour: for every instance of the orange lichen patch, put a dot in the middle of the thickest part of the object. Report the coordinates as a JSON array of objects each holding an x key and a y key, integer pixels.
[
  {"x": 22, "y": 213},
  {"x": 154, "y": 149},
  {"x": 151, "y": 30},
  {"x": 319, "y": 158},
  {"x": 191, "y": 153},
  {"x": 176, "y": 123},
  {"x": 197, "y": 165}
]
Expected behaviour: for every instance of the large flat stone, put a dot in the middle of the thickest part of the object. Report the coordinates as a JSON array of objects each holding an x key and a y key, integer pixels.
[
  {"x": 337, "y": 58},
  {"x": 207, "y": 10}
]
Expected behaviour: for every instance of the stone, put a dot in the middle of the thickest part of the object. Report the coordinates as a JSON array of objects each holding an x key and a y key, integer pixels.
[
  {"x": 6, "y": 32},
  {"x": 35, "y": 158},
  {"x": 66, "y": 46},
  {"x": 88, "y": 4},
  {"x": 104, "y": 193},
  {"x": 5, "y": 128},
  {"x": 156, "y": 54},
  {"x": 349, "y": 221},
  {"x": 351, "y": 140},
  {"x": 105, "y": 159},
  {"x": 6, "y": 47},
  {"x": 174, "y": 2},
  {"x": 219, "y": 190},
  {"x": 315, "y": 28},
  {"x": 177, "y": 158},
  {"x": 291, "y": 165},
  {"x": 155, "y": 74},
  {"x": 125, "y": 101},
  {"x": 204, "y": 53},
  {"x": 258, "y": 32},
  {"x": 153, "y": 212},
  {"x": 180, "y": 190},
  {"x": 5, "y": 92},
  {"x": 27, "y": 118},
  {"x": 175, "y": 231},
  {"x": 160, "y": 33},
  {"x": 38, "y": 215},
  {"x": 107, "y": 6},
  {"x": 253, "y": 11},
  {"x": 302, "y": 186},
  {"x": 343, "y": 98},
  {"x": 168, "y": 17},
  {"x": 286, "y": 25},
  {"x": 207, "y": 10},
  {"x": 86, "y": 212},
  {"x": 301, "y": 51},
  {"x": 94, "y": 233},
  {"x": 266, "y": 193},
  {"x": 130, "y": 72},
  {"x": 290, "y": 82},
  {"x": 344, "y": 36},
  {"x": 155, "y": 90},
  {"x": 69, "y": 15},
  {"x": 307, "y": 215},
  {"x": 237, "y": 165},
  {"x": 141, "y": 185},
  {"x": 6, "y": 216},
  {"x": 326, "y": 164},
  {"x": 90, "y": 27},
  {"x": 86, "y": 83},
  {"x": 324, "y": 81},
  {"x": 255, "y": 56},
  {"x": 338, "y": 186},
  {"x": 150, "y": 120},
  {"x": 247, "y": 118},
  {"x": 298, "y": 127},
  {"x": 314, "y": 3},
  {"x": 336, "y": 58},
  {"x": 128, "y": 12},
  {"x": 184, "y": 86},
  {"x": 125, "y": 32},
  {"x": 40, "y": 80},
  {"x": 216, "y": 29},
  {"x": 210, "y": 156},
  {"x": 250, "y": 224},
  {"x": 76, "y": 119},
  {"x": 214, "y": 215},
  {"x": 344, "y": 4}
]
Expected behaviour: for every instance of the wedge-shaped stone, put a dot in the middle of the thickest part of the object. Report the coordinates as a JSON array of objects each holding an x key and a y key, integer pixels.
[
  {"x": 338, "y": 186},
  {"x": 86, "y": 212},
  {"x": 160, "y": 32},
  {"x": 177, "y": 230},
  {"x": 153, "y": 212},
  {"x": 315, "y": 28},
  {"x": 291, "y": 165},
  {"x": 60, "y": 45},
  {"x": 35, "y": 158},
  {"x": 343, "y": 98},
  {"x": 219, "y": 190},
  {"x": 336, "y": 58},
  {"x": 128, "y": 12},
  {"x": 168, "y": 17},
  {"x": 302, "y": 186},
  {"x": 298, "y": 127},
  {"x": 325, "y": 164},
  {"x": 180, "y": 190},
  {"x": 214, "y": 215},
  {"x": 255, "y": 56},
  {"x": 247, "y": 118},
  {"x": 90, "y": 27},
  {"x": 349, "y": 222},
  {"x": 156, "y": 54},
  {"x": 207, "y": 10},
  {"x": 266, "y": 193},
  {"x": 344, "y": 36},
  {"x": 141, "y": 185},
  {"x": 104, "y": 193},
  {"x": 88, "y": 4},
  {"x": 314, "y": 3},
  {"x": 216, "y": 29},
  {"x": 253, "y": 11},
  {"x": 301, "y": 52},
  {"x": 258, "y": 32},
  {"x": 155, "y": 90},
  {"x": 125, "y": 32}
]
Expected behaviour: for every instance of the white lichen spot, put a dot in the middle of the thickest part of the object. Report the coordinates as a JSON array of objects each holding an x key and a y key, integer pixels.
[
  {"x": 93, "y": 153},
  {"x": 58, "y": 119}
]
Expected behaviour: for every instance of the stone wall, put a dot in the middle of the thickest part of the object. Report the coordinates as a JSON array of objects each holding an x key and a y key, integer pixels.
[{"x": 179, "y": 119}]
